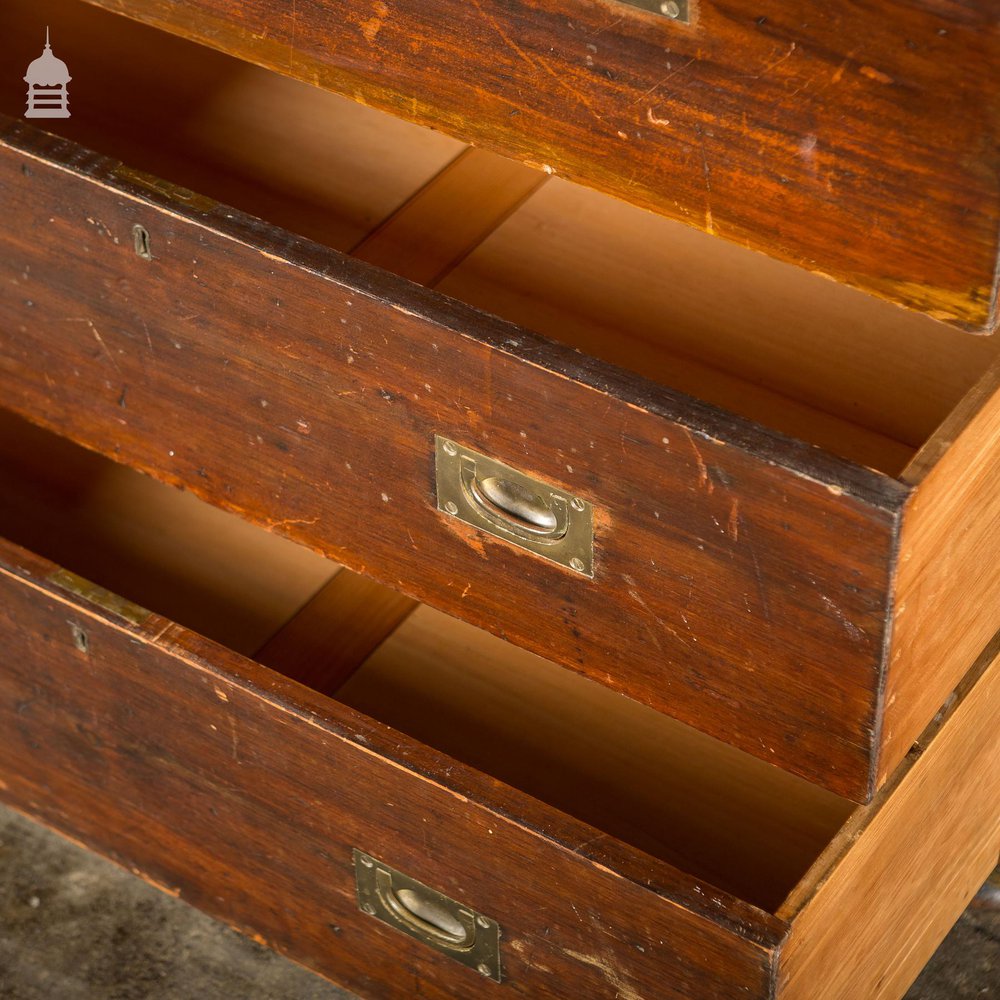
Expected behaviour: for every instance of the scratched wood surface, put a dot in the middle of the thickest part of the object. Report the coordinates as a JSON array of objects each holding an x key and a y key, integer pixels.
[
  {"x": 856, "y": 139},
  {"x": 703, "y": 806},
  {"x": 227, "y": 139},
  {"x": 276, "y": 779},
  {"x": 303, "y": 389},
  {"x": 244, "y": 793}
]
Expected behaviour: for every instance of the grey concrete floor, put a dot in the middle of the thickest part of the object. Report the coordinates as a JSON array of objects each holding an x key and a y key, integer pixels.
[{"x": 75, "y": 927}]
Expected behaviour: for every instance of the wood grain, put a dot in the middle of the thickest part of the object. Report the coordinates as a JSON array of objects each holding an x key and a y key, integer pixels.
[
  {"x": 105, "y": 737},
  {"x": 277, "y": 784},
  {"x": 321, "y": 166},
  {"x": 603, "y": 276},
  {"x": 947, "y": 586},
  {"x": 665, "y": 788},
  {"x": 165, "y": 548},
  {"x": 857, "y": 141},
  {"x": 663, "y": 298},
  {"x": 335, "y": 631},
  {"x": 449, "y": 217},
  {"x": 302, "y": 389},
  {"x": 907, "y": 865}
]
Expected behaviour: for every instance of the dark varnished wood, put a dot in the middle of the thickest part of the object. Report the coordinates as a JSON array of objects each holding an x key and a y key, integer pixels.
[
  {"x": 220, "y": 781},
  {"x": 742, "y": 577},
  {"x": 855, "y": 139},
  {"x": 245, "y": 793}
]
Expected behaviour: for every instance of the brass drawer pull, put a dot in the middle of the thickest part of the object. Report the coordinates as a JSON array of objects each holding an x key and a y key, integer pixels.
[
  {"x": 515, "y": 507},
  {"x": 427, "y": 915},
  {"x": 424, "y": 915}
]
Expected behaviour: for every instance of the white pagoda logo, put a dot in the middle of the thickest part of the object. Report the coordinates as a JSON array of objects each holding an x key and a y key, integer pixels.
[{"x": 47, "y": 79}]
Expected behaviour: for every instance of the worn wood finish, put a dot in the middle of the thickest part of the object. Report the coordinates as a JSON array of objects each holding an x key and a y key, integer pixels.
[
  {"x": 855, "y": 140},
  {"x": 166, "y": 549},
  {"x": 319, "y": 165},
  {"x": 335, "y": 631},
  {"x": 696, "y": 802},
  {"x": 655, "y": 295},
  {"x": 673, "y": 792},
  {"x": 947, "y": 585},
  {"x": 872, "y": 912},
  {"x": 303, "y": 389},
  {"x": 244, "y": 793},
  {"x": 276, "y": 783},
  {"x": 764, "y": 339}
]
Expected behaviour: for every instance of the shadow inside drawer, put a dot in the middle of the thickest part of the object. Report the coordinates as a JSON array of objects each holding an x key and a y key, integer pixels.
[{"x": 634, "y": 773}]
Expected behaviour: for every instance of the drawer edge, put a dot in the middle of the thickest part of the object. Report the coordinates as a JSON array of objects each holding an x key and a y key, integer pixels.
[
  {"x": 905, "y": 866},
  {"x": 788, "y": 545},
  {"x": 249, "y": 847},
  {"x": 662, "y": 144}
]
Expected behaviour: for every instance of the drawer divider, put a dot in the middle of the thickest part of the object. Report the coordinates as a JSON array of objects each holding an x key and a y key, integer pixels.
[
  {"x": 440, "y": 225},
  {"x": 333, "y": 634}
]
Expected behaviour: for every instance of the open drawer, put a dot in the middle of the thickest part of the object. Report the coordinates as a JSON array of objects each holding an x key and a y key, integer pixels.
[
  {"x": 598, "y": 848},
  {"x": 791, "y": 486},
  {"x": 857, "y": 140}
]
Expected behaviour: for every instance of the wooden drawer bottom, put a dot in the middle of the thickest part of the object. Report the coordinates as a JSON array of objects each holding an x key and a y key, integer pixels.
[{"x": 620, "y": 853}]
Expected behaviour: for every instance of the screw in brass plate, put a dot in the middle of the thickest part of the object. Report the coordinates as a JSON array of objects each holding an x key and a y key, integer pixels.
[
  {"x": 577, "y": 504},
  {"x": 451, "y": 507},
  {"x": 484, "y": 969},
  {"x": 670, "y": 8},
  {"x": 450, "y": 448},
  {"x": 576, "y": 564}
]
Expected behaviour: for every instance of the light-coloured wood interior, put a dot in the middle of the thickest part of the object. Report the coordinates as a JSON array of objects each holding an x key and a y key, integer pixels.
[
  {"x": 798, "y": 353},
  {"x": 905, "y": 866},
  {"x": 315, "y": 163},
  {"x": 717, "y": 813},
  {"x": 449, "y": 217},
  {"x": 160, "y": 547},
  {"x": 810, "y": 357},
  {"x": 335, "y": 631}
]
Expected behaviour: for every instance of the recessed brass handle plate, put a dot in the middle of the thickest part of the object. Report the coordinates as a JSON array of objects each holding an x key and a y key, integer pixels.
[
  {"x": 428, "y": 915},
  {"x": 676, "y": 10},
  {"x": 511, "y": 505}
]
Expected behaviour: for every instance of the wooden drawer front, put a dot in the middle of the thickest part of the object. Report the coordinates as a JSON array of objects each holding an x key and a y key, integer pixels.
[
  {"x": 245, "y": 793},
  {"x": 805, "y": 130},
  {"x": 303, "y": 389},
  {"x": 222, "y": 781}
]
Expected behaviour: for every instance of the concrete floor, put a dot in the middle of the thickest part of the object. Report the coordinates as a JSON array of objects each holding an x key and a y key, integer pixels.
[{"x": 75, "y": 927}]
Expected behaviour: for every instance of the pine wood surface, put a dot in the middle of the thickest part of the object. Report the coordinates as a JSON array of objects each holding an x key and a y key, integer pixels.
[
  {"x": 276, "y": 782},
  {"x": 244, "y": 793},
  {"x": 947, "y": 587},
  {"x": 907, "y": 865}
]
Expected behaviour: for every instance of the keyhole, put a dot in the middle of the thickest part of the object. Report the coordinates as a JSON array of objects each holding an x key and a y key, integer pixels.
[{"x": 141, "y": 238}]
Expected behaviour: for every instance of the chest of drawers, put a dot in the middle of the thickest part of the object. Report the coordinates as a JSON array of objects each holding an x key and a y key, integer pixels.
[{"x": 787, "y": 487}]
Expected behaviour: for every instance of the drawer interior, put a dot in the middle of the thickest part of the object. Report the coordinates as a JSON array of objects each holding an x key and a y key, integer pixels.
[
  {"x": 716, "y": 813},
  {"x": 317, "y": 164},
  {"x": 788, "y": 348}
]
